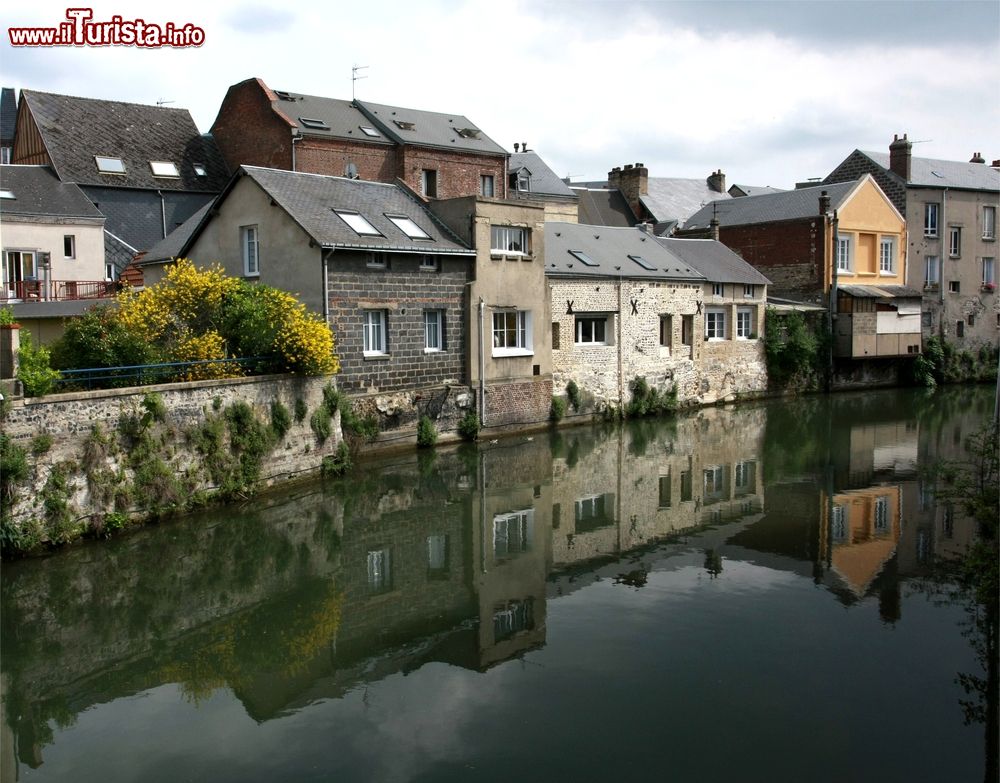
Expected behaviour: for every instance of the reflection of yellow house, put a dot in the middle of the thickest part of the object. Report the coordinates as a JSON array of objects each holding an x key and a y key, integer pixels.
[{"x": 860, "y": 532}]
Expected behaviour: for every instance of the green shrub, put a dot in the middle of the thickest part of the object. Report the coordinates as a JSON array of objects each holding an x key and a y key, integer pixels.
[
  {"x": 98, "y": 338},
  {"x": 573, "y": 395},
  {"x": 281, "y": 419},
  {"x": 35, "y": 371},
  {"x": 648, "y": 401},
  {"x": 155, "y": 408},
  {"x": 339, "y": 463},
  {"x": 427, "y": 433},
  {"x": 13, "y": 468},
  {"x": 469, "y": 426},
  {"x": 558, "y": 409},
  {"x": 321, "y": 423},
  {"x": 301, "y": 410},
  {"x": 7, "y": 316},
  {"x": 41, "y": 444}
]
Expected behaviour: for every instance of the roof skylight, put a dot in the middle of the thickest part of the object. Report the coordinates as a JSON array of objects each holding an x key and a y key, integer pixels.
[
  {"x": 164, "y": 168},
  {"x": 199, "y": 169},
  {"x": 404, "y": 124},
  {"x": 643, "y": 263},
  {"x": 468, "y": 133},
  {"x": 583, "y": 258},
  {"x": 359, "y": 223},
  {"x": 312, "y": 122},
  {"x": 408, "y": 227},
  {"x": 110, "y": 165},
  {"x": 7, "y": 194},
  {"x": 369, "y": 131}
]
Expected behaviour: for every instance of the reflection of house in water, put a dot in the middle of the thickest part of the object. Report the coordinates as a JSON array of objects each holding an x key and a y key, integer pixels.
[{"x": 861, "y": 534}]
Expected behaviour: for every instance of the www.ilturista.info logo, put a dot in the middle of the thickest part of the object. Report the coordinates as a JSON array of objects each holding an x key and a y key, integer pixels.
[{"x": 79, "y": 30}]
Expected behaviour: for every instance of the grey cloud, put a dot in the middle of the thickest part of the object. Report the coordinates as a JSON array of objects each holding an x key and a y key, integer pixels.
[{"x": 259, "y": 19}]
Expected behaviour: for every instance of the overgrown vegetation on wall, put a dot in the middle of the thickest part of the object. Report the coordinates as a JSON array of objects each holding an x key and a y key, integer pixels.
[
  {"x": 942, "y": 362},
  {"x": 796, "y": 349}
]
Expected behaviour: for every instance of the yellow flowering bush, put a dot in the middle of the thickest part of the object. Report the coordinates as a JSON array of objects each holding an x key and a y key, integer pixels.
[{"x": 204, "y": 347}]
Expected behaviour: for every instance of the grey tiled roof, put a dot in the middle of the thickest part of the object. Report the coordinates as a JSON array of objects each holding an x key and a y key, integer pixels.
[
  {"x": 310, "y": 199},
  {"x": 117, "y": 252},
  {"x": 714, "y": 260},
  {"x": 609, "y": 248},
  {"x": 771, "y": 207},
  {"x": 881, "y": 291},
  {"x": 8, "y": 116},
  {"x": 38, "y": 191},
  {"x": 544, "y": 181},
  {"x": 754, "y": 190},
  {"x": 75, "y": 130},
  {"x": 671, "y": 198},
  {"x": 928, "y": 172},
  {"x": 342, "y": 118},
  {"x": 604, "y": 207},
  {"x": 172, "y": 245},
  {"x": 430, "y": 129}
]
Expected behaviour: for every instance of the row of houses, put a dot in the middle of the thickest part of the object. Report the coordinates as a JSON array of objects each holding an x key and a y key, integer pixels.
[{"x": 439, "y": 258}]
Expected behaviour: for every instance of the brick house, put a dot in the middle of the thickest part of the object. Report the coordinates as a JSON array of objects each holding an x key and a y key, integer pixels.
[
  {"x": 437, "y": 155},
  {"x": 626, "y": 304},
  {"x": 389, "y": 278},
  {"x": 951, "y": 210},
  {"x": 531, "y": 178},
  {"x": 146, "y": 168},
  {"x": 841, "y": 246}
]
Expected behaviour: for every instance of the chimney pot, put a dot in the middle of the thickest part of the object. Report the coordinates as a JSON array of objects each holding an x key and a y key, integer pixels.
[
  {"x": 900, "y": 152},
  {"x": 978, "y": 158},
  {"x": 517, "y": 147},
  {"x": 524, "y": 146},
  {"x": 996, "y": 164}
]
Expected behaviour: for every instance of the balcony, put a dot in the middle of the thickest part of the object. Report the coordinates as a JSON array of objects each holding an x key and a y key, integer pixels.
[{"x": 56, "y": 290}]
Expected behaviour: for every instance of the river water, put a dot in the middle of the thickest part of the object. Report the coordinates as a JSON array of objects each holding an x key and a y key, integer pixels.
[{"x": 736, "y": 594}]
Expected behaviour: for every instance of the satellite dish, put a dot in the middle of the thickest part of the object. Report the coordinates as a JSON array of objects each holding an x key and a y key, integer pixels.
[{"x": 351, "y": 172}]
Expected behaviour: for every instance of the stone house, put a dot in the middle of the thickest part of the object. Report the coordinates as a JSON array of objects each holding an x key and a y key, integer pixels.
[
  {"x": 951, "y": 211},
  {"x": 388, "y": 277},
  {"x": 146, "y": 168},
  {"x": 437, "y": 155},
  {"x": 627, "y": 304},
  {"x": 841, "y": 246},
  {"x": 53, "y": 249}
]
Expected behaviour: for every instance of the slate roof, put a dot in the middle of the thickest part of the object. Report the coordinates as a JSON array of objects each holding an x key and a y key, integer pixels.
[
  {"x": 881, "y": 291},
  {"x": 714, "y": 260},
  {"x": 173, "y": 244},
  {"x": 931, "y": 173},
  {"x": 75, "y": 130},
  {"x": 8, "y": 116},
  {"x": 604, "y": 207},
  {"x": 38, "y": 192},
  {"x": 544, "y": 181},
  {"x": 753, "y": 190},
  {"x": 609, "y": 249},
  {"x": 675, "y": 199},
  {"x": 343, "y": 119},
  {"x": 430, "y": 129},
  {"x": 771, "y": 207}
]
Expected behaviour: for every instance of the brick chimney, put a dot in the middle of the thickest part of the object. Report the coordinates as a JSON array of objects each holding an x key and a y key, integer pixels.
[
  {"x": 717, "y": 181},
  {"x": 824, "y": 202},
  {"x": 899, "y": 156},
  {"x": 978, "y": 158},
  {"x": 633, "y": 182}
]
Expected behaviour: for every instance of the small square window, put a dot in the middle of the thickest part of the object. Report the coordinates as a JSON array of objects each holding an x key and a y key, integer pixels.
[
  {"x": 428, "y": 263},
  {"x": 69, "y": 246},
  {"x": 717, "y": 289},
  {"x": 376, "y": 261},
  {"x": 954, "y": 286},
  {"x": 748, "y": 292}
]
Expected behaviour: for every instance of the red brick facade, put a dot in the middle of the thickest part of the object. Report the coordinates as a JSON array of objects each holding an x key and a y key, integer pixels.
[
  {"x": 248, "y": 131},
  {"x": 518, "y": 402},
  {"x": 458, "y": 173},
  {"x": 790, "y": 254},
  {"x": 376, "y": 163}
]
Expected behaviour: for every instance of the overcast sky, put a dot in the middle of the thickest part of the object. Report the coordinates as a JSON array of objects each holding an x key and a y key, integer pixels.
[{"x": 770, "y": 92}]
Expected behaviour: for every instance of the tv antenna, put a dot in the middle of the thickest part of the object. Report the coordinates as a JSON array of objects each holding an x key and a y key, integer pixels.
[
  {"x": 162, "y": 102},
  {"x": 355, "y": 78}
]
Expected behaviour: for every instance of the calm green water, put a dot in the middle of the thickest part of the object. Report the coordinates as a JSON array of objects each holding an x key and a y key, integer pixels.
[{"x": 735, "y": 595}]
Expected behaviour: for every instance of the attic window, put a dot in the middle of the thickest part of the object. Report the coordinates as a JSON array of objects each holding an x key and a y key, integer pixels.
[
  {"x": 359, "y": 223},
  {"x": 404, "y": 125},
  {"x": 164, "y": 168},
  {"x": 199, "y": 169},
  {"x": 370, "y": 131},
  {"x": 310, "y": 122},
  {"x": 285, "y": 96},
  {"x": 110, "y": 165},
  {"x": 408, "y": 227},
  {"x": 583, "y": 258},
  {"x": 468, "y": 133},
  {"x": 7, "y": 194},
  {"x": 643, "y": 263}
]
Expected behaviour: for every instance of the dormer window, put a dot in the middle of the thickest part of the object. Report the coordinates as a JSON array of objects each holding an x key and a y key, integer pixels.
[
  {"x": 368, "y": 131},
  {"x": 359, "y": 223},
  {"x": 521, "y": 180},
  {"x": 310, "y": 122},
  {"x": 408, "y": 227},
  {"x": 200, "y": 170},
  {"x": 164, "y": 168},
  {"x": 404, "y": 125},
  {"x": 110, "y": 165}
]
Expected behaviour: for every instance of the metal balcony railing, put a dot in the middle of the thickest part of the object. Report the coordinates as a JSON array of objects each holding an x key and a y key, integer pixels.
[{"x": 56, "y": 290}]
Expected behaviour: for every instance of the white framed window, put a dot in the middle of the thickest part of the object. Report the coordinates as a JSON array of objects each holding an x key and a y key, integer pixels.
[
  {"x": 428, "y": 263},
  {"x": 744, "y": 323},
  {"x": 164, "y": 168},
  {"x": 433, "y": 331},
  {"x": 509, "y": 240},
  {"x": 512, "y": 333},
  {"x": 5, "y": 153},
  {"x": 591, "y": 329},
  {"x": 109, "y": 272},
  {"x": 931, "y": 219},
  {"x": 429, "y": 183},
  {"x": 715, "y": 324},
  {"x": 251, "y": 251},
  {"x": 955, "y": 241},
  {"x": 512, "y": 533},
  {"x": 748, "y": 292},
  {"x": 376, "y": 261},
  {"x": 109, "y": 165},
  {"x": 989, "y": 222},
  {"x": 19, "y": 268},
  {"x": 358, "y": 222},
  {"x": 844, "y": 261},
  {"x": 718, "y": 289},
  {"x": 69, "y": 246},
  {"x": 887, "y": 256},
  {"x": 374, "y": 333},
  {"x": 486, "y": 185},
  {"x": 932, "y": 271},
  {"x": 989, "y": 272}
]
